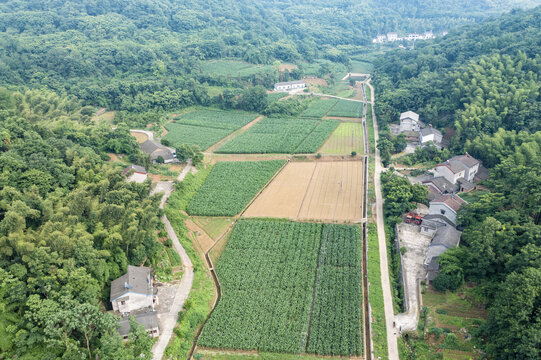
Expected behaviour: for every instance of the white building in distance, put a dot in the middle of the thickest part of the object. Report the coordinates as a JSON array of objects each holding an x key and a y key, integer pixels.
[
  {"x": 409, "y": 121},
  {"x": 290, "y": 85}
]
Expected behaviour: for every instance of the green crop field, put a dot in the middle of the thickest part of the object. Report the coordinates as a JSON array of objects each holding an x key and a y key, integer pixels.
[
  {"x": 205, "y": 127},
  {"x": 271, "y": 136},
  {"x": 230, "y": 186},
  {"x": 232, "y": 68},
  {"x": 319, "y": 108},
  {"x": 347, "y": 108},
  {"x": 274, "y": 97},
  {"x": 289, "y": 287},
  {"x": 317, "y": 137}
]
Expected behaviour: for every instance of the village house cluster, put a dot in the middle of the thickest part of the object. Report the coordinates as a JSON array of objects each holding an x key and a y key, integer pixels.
[
  {"x": 416, "y": 131},
  {"x": 392, "y": 37}
]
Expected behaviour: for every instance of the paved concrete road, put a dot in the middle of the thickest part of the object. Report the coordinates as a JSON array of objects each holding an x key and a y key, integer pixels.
[
  {"x": 385, "y": 283},
  {"x": 183, "y": 290}
]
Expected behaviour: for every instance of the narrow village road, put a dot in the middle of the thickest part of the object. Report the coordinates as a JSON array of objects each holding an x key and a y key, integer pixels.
[
  {"x": 183, "y": 290},
  {"x": 150, "y": 134},
  {"x": 392, "y": 343}
]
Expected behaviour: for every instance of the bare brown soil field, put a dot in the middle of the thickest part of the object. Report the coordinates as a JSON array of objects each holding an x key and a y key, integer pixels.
[
  {"x": 204, "y": 241},
  {"x": 322, "y": 191},
  {"x": 284, "y": 67},
  {"x": 139, "y": 137},
  {"x": 316, "y": 82},
  {"x": 113, "y": 157}
]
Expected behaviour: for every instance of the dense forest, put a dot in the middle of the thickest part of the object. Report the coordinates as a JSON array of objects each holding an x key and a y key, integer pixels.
[
  {"x": 145, "y": 55},
  {"x": 69, "y": 224},
  {"x": 481, "y": 85}
]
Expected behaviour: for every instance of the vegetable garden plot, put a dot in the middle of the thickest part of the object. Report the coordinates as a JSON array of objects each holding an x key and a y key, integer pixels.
[
  {"x": 317, "y": 137},
  {"x": 230, "y": 186},
  {"x": 319, "y": 108},
  {"x": 268, "y": 272},
  {"x": 205, "y": 127},
  {"x": 271, "y": 135},
  {"x": 347, "y": 108}
]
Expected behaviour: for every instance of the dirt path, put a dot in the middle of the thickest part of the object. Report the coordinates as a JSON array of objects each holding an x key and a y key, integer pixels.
[
  {"x": 169, "y": 321},
  {"x": 216, "y": 146},
  {"x": 150, "y": 134},
  {"x": 384, "y": 265}
]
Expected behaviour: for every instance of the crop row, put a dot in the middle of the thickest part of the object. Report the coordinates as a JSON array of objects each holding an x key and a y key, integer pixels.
[
  {"x": 317, "y": 137},
  {"x": 230, "y": 186},
  {"x": 230, "y": 120},
  {"x": 203, "y": 137},
  {"x": 271, "y": 135},
  {"x": 347, "y": 108},
  {"x": 319, "y": 108},
  {"x": 268, "y": 272}
]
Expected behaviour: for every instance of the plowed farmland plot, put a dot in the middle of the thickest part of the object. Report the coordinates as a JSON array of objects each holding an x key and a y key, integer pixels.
[
  {"x": 271, "y": 135},
  {"x": 346, "y": 138},
  {"x": 345, "y": 108},
  {"x": 230, "y": 186},
  {"x": 205, "y": 127},
  {"x": 289, "y": 287},
  {"x": 328, "y": 191},
  {"x": 319, "y": 108}
]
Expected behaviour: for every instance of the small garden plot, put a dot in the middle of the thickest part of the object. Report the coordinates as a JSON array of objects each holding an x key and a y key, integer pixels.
[
  {"x": 345, "y": 108},
  {"x": 273, "y": 273},
  {"x": 347, "y": 137},
  {"x": 271, "y": 136},
  {"x": 319, "y": 108},
  {"x": 317, "y": 137},
  {"x": 231, "y": 120},
  {"x": 203, "y": 137},
  {"x": 230, "y": 186},
  {"x": 205, "y": 127}
]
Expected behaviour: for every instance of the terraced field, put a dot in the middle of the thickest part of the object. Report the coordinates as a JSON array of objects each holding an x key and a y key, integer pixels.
[{"x": 289, "y": 287}]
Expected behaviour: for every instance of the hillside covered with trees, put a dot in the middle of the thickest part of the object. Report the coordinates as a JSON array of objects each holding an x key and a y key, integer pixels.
[
  {"x": 481, "y": 85},
  {"x": 145, "y": 55}
]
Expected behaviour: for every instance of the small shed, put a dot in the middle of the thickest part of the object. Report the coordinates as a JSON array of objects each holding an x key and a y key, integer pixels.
[
  {"x": 148, "y": 320},
  {"x": 135, "y": 173}
]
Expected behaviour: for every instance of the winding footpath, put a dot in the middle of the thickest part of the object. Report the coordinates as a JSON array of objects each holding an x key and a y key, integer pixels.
[
  {"x": 392, "y": 343},
  {"x": 183, "y": 290}
]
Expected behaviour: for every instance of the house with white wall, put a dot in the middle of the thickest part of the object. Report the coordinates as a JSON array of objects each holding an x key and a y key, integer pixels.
[
  {"x": 430, "y": 134},
  {"x": 409, "y": 121},
  {"x": 290, "y": 85},
  {"x": 133, "y": 291},
  {"x": 446, "y": 206},
  {"x": 458, "y": 167}
]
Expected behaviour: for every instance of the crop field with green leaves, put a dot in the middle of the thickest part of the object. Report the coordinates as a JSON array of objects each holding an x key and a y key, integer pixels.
[
  {"x": 205, "y": 127},
  {"x": 319, "y": 108},
  {"x": 317, "y": 137},
  {"x": 289, "y": 287},
  {"x": 346, "y": 108},
  {"x": 230, "y": 186},
  {"x": 272, "y": 136}
]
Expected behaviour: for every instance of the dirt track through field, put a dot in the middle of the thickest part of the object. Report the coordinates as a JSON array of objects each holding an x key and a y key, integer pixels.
[
  {"x": 233, "y": 134},
  {"x": 324, "y": 191}
]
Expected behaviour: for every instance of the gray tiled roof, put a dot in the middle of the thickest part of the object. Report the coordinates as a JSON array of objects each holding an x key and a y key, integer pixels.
[
  {"x": 430, "y": 130},
  {"x": 443, "y": 184},
  {"x": 137, "y": 279},
  {"x": 150, "y": 146},
  {"x": 446, "y": 236},
  {"x": 137, "y": 168},
  {"x": 452, "y": 201},
  {"x": 409, "y": 114},
  {"x": 148, "y": 320}
]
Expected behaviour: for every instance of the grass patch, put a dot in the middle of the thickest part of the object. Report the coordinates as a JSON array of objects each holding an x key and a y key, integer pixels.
[
  {"x": 213, "y": 226},
  {"x": 346, "y": 138},
  {"x": 375, "y": 296},
  {"x": 232, "y": 68},
  {"x": 319, "y": 108}
]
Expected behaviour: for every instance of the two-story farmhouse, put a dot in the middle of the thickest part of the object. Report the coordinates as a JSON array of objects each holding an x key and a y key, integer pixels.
[
  {"x": 289, "y": 85},
  {"x": 430, "y": 134},
  {"x": 409, "y": 121},
  {"x": 157, "y": 150},
  {"x": 445, "y": 206},
  {"x": 135, "y": 173},
  {"x": 458, "y": 167},
  {"x": 133, "y": 291}
]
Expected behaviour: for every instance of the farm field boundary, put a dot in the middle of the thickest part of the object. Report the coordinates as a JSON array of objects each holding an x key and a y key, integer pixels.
[{"x": 233, "y": 134}]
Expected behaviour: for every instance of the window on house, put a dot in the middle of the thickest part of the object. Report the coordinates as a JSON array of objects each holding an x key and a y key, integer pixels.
[
  {"x": 122, "y": 302},
  {"x": 442, "y": 212}
]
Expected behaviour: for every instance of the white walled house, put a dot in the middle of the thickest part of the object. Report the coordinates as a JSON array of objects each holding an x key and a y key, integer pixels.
[
  {"x": 392, "y": 36},
  {"x": 133, "y": 290},
  {"x": 447, "y": 206},
  {"x": 409, "y": 121},
  {"x": 135, "y": 173},
  {"x": 429, "y": 134},
  {"x": 461, "y": 166},
  {"x": 289, "y": 85}
]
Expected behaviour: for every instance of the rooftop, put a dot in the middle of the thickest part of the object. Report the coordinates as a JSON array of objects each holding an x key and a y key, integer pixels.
[
  {"x": 446, "y": 236},
  {"x": 136, "y": 168},
  {"x": 137, "y": 279},
  {"x": 452, "y": 201},
  {"x": 442, "y": 184},
  {"x": 409, "y": 114},
  {"x": 430, "y": 130},
  {"x": 296, "y": 82},
  {"x": 460, "y": 162},
  {"x": 149, "y": 320}
]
